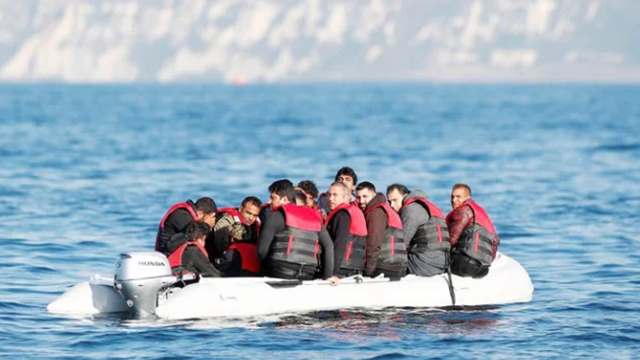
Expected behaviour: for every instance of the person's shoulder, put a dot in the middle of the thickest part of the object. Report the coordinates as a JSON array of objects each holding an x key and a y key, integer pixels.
[
  {"x": 181, "y": 213},
  {"x": 462, "y": 211},
  {"x": 343, "y": 214},
  {"x": 467, "y": 210},
  {"x": 227, "y": 218},
  {"x": 415, "y": 207},
  {"x": 224, "y": 221},
  {"x": 377, "y": 212},
  {"x": 274, "y": 215}
]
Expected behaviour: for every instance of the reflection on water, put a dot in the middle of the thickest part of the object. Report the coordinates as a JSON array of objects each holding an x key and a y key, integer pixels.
[
  {"x": 344, "y": 324},
  {"x": 391, "y": 323}
]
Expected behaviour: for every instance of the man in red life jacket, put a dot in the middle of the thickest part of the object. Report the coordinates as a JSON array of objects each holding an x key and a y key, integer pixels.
[
  {"x": 348, "y": 229},
  {"x": 292, "y": 239},
  {"x": 232, "y": 245},
  {"x": 176, "y": 219},
  {"x": 386, "y": 252},
  {"x": 187, "y": 252},
  {"x": 473, "y": 237},
  {"x": 425, "y": 231},
  {"x": 346, "y": 176}
]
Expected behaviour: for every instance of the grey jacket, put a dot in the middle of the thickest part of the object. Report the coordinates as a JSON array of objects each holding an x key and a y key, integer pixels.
[{"x": 422, "y": 262}]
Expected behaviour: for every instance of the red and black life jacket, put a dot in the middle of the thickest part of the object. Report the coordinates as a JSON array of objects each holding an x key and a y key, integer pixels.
[
  {"x": 298, "y": 243},
  {"x": 248, "y": 251},
  {"x": 393, "y": 249},
  {"x": 175, "y": 258},
  {"x": 163, "y": 237},
  {"x": 354, "y": 251},
  {"x": 432, "y": 235},
  {"x": 480, "y": 240}
]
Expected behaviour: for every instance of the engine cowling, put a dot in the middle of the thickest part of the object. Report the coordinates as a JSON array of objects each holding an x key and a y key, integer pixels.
[{"x": 139, "y": 277}]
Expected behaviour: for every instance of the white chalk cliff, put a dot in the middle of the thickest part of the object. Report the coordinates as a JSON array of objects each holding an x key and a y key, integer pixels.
[{"x": 238, "y": 41}]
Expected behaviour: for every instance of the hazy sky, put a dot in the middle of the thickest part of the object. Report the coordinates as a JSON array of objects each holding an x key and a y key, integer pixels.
[{"x": 312, "y": 40}]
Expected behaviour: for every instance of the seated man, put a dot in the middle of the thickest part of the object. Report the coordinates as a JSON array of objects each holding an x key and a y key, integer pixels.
[
  {"x": 292, "y": 240},
  {"x": 386, "y": 251},
  {"x": 348, "y": 229},
  {"x": 187, "y": 252},
  {"x": 180, "y": 215},
  {"x": 346, "y": 176},
  {"x": 232, "y": 245},
  {"x": 473, "y": 237},
  {"x": 425, "y": 231}
]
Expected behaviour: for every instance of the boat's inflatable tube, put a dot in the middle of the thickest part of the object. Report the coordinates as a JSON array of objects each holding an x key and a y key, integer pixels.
[
  {"x": 89, "y": 298},
  {"x": 507, "y": 282}
]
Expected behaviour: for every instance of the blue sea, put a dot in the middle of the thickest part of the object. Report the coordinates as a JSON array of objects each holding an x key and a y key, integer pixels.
[{"x": 87, "y": 171}]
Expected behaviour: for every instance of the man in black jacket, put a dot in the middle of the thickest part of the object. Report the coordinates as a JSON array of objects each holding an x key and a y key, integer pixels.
[
  {"x": 347, "y": 227},
  {"x": 274, "y": 225},
  {"x": 180, "y": 215},
  {"x": 187, "y": 251}
]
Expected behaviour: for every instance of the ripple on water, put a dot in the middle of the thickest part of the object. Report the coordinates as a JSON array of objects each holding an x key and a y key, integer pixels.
[{"x": 618, "y": 147}]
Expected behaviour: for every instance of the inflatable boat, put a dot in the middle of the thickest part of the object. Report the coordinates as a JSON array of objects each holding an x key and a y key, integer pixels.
[{"x": 144, "y": 286}]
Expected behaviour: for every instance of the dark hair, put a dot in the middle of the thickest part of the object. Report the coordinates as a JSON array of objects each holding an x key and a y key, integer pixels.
[
  {"x": 283, "y": 188},
  {"x": 463, "y": 186},
  {"x": 366, "y": 185},
  {"x": 347, "y": 171},
  {"x": 309, "y": 187},
  {"x": 301, "y": 196},
  {"x": 206, "y": 205},
  {"x": 196, "y": 229},
  {"x": 251, "y": 200},
  {"x": 398, "y": 187}
]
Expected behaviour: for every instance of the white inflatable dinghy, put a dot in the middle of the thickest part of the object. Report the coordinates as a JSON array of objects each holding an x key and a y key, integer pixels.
[{"x": 143, "y": 285}]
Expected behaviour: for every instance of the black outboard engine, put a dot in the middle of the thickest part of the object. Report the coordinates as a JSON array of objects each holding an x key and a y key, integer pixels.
[{"x": 140, "y": 276}]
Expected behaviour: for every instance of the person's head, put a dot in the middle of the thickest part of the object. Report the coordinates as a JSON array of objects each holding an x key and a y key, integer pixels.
[
  {"x": 250, "y": 209},
  {"x": 281, "y": 192},
  {"x": 338, "y": 194},
  {"x": 365, "y": 192},
  {"x": 310, "y": 190},
  {"x": 197, "y": 231},
  {"x": 347, "y": 176},
  {"x": 396, "y": 194},
  {"x": 301, "y": 198},
  {"x": 206, "y": 210},
  {"x": 459, "y": 194}
]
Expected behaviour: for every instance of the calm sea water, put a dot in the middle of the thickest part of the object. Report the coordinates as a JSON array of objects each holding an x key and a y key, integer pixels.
[{"x": 87, "y": 171}]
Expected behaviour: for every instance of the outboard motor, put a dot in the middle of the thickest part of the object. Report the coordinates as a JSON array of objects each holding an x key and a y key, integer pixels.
[{"x": 139, "y": 277}]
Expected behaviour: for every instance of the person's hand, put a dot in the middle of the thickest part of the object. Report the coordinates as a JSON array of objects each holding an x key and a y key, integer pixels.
[{"x": 334, "y": 280}]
